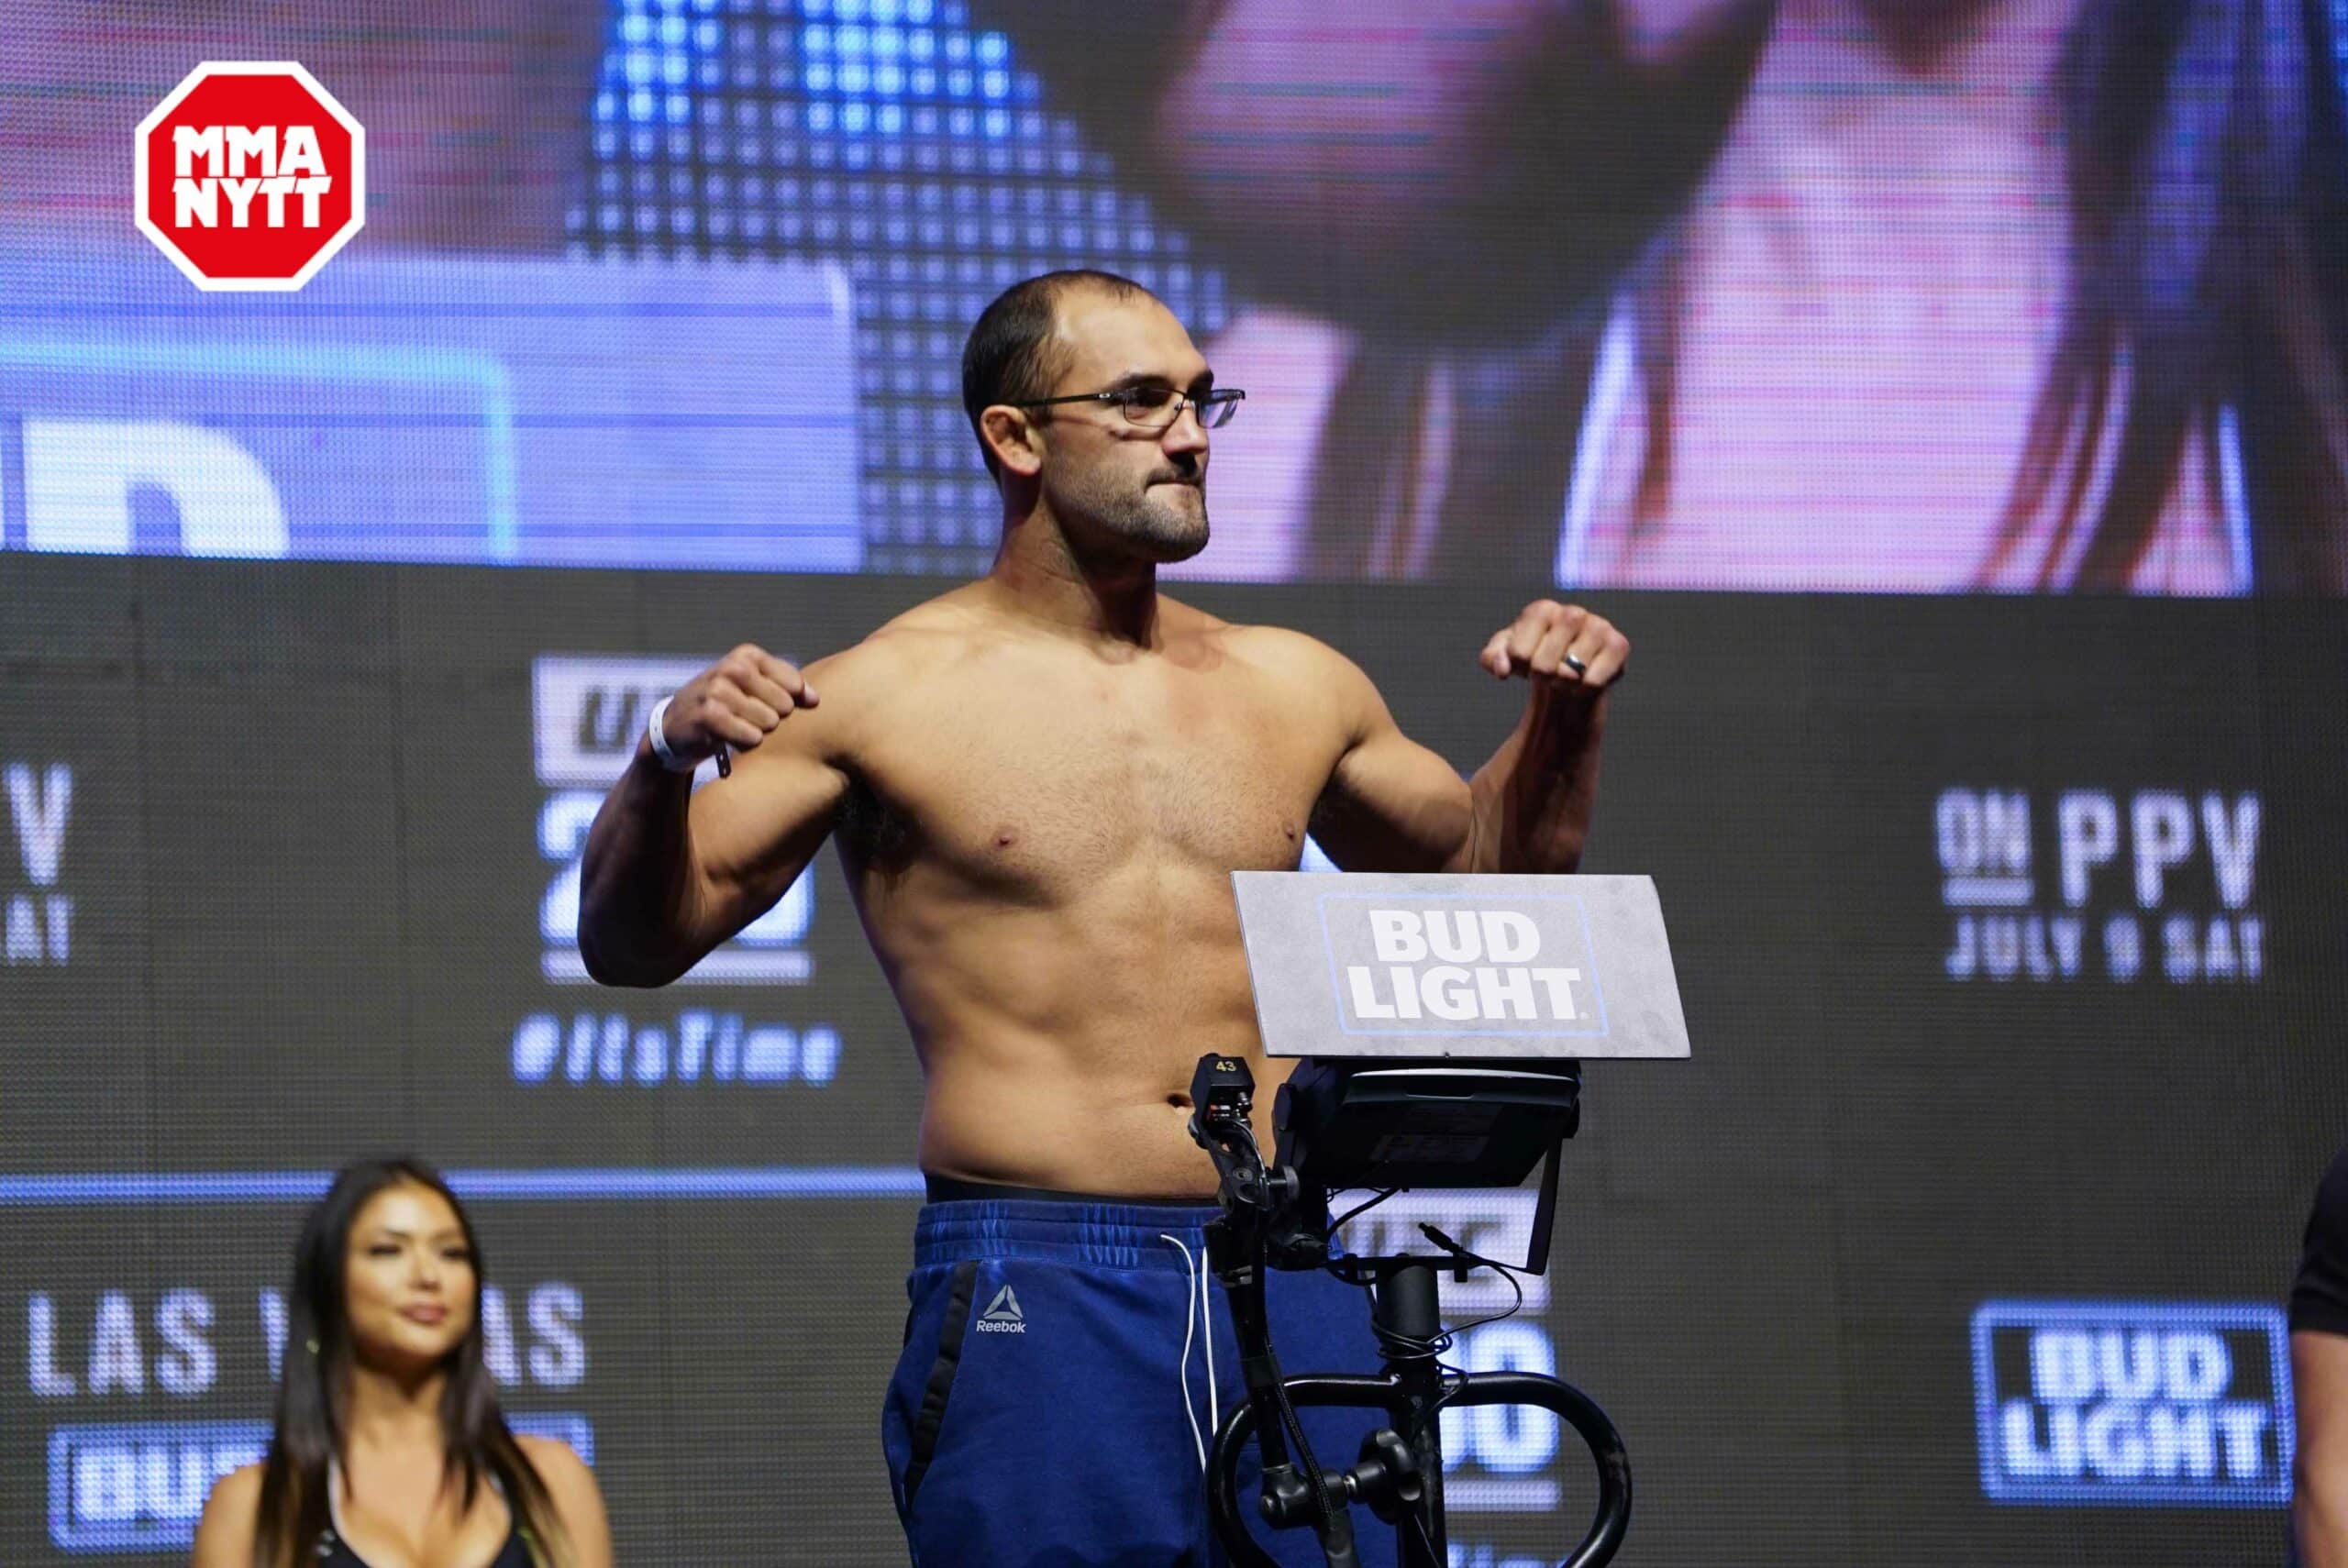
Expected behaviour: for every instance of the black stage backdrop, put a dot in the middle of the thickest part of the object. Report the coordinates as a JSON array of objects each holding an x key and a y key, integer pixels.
[{"x": 2010, "y": 931}]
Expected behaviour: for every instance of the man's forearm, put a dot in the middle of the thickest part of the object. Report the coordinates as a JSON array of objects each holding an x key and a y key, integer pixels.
[
  {"x": 639, "y": 887},
  {"x": 1533, "y": 800}
]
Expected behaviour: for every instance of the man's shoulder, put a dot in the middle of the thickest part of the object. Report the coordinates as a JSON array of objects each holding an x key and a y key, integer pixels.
[
  {"x": 873, "y": 688},
  {"x": 230, "y": 1520},
  {"x": 241, "y": 1488},
  {"x": 929, "y": 636},
  {"x": 2332, "y": 1198},
  {"x": 1285, "y": 652},
  {"x": 2319, "y": 1293},
  {"x": 947, "y": 637}
]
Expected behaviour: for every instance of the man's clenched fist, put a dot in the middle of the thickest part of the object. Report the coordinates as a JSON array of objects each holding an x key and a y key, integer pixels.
[
  {"x": 1563, "y": 643},
  {"x": 736, "y": 703}
]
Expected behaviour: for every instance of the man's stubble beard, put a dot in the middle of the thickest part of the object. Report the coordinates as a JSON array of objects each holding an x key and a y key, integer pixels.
[{"x": 1161, "y": 532}]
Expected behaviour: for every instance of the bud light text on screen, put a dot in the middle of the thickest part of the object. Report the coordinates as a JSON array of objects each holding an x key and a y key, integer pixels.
[{"x": 2158, "y": 1404}]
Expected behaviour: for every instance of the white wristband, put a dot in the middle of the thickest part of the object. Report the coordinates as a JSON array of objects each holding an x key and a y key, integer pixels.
[{"x": 669, "y": 759}]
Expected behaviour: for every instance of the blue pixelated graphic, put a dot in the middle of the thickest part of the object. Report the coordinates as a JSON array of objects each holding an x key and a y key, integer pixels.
[{"x": 898, "y": 139}]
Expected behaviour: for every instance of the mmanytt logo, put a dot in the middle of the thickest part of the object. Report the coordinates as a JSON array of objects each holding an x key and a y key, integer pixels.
[
  {"x": 2162, "y": 1404},
  {"x": 1002, "y": 1314},
  {"x": 289, "y": 160},
  {"x": 2157, "y": 882}
]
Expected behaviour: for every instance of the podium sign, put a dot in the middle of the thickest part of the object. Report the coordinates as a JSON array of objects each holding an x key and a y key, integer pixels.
[{"x": 1430, "y": 964}]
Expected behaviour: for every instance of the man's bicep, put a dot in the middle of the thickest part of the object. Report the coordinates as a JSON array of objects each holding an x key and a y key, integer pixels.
[
  {"x": 1393, "y": 805},
  {"x": 754, "y": 833}
]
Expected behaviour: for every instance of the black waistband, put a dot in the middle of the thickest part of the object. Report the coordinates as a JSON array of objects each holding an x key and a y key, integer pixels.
[{"x": 954, "y": 1190}]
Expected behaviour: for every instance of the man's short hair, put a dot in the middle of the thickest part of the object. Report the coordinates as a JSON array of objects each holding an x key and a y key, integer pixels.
[{"x": 1015, "y": 354}]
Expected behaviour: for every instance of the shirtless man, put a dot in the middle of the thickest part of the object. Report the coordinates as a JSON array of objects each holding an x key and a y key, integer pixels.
[{"x": 1041, "y": 782}]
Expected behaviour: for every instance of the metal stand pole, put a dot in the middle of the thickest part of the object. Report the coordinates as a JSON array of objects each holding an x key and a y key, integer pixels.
[{"x": 1407, "y": 1314}]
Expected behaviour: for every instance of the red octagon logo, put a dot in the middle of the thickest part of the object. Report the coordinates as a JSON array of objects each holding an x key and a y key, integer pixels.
[{"x": 250, "y": 175}]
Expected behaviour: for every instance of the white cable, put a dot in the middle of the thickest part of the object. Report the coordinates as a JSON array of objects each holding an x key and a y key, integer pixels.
[
  {"x": 1206, "y": 1329},
  {"x": 1189, "y": 1279}
]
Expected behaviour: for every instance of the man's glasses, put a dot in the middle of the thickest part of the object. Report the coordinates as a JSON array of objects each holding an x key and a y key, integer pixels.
[{"x": 1155, "y": 407}]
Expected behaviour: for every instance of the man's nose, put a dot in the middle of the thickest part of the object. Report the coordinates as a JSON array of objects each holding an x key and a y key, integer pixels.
[{"x": 1187, "y": 433}]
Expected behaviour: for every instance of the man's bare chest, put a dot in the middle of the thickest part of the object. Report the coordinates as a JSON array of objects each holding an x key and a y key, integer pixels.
[{"x": 1052, "y": 789}]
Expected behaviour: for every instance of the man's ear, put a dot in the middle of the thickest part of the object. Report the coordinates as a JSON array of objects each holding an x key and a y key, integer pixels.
[{"x": 1013, "y": 439}]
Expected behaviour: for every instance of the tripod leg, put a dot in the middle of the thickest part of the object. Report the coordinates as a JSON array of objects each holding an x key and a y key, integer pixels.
[
  {"x": 1408, "y": 1314},
  {"x": 1288, "y": 1495}
]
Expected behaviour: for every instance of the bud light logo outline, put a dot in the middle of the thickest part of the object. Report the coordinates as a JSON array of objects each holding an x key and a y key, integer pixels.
[{"x": 2133, "y": 1403}]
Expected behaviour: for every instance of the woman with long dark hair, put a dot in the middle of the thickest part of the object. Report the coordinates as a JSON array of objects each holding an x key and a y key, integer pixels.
[
  {"x": 1915, "y": 295},
  {"x": 389, "y": 1450}
]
